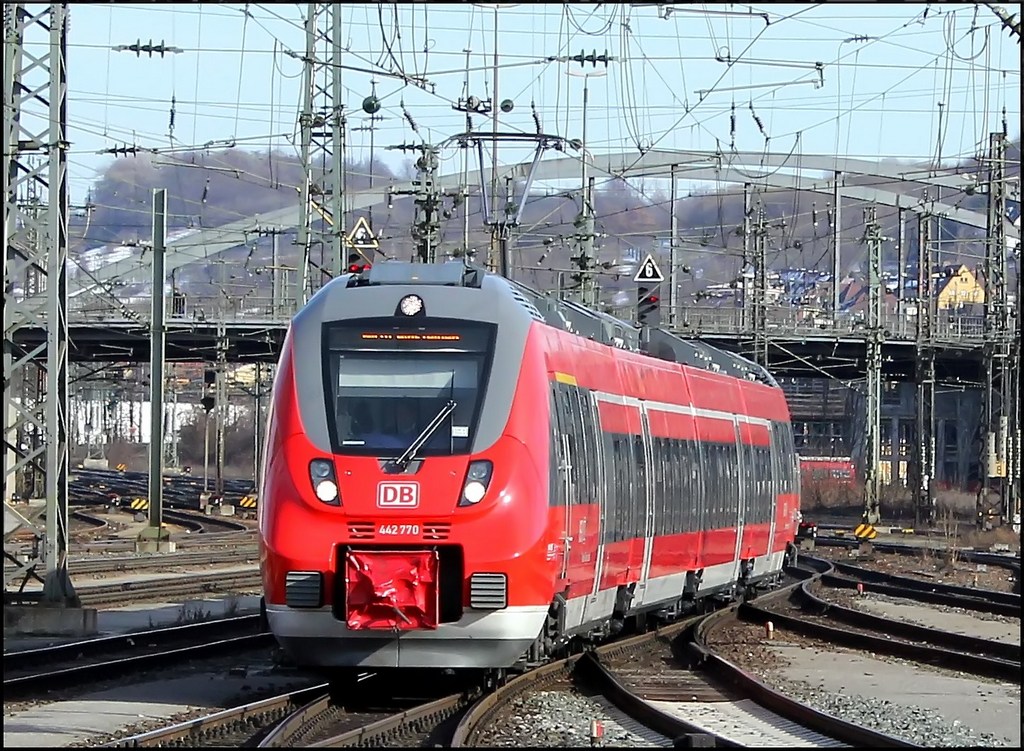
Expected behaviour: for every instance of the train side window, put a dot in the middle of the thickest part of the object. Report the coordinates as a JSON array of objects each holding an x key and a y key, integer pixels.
[
  {"x": 775, "y": 456},
  {"x": 583, "y": 443},
  {"x": 675, "y": 497},
  {"x": 732, "y": 475},
  {"x": 625, "y": 487},
  {"x": 697, "y": 483},
  {"x": 556, "y": 486},
  {"x": 587, "y": 409},
  {"x": 629, "y": 466},
  {"x": 574, "y": 432},
  {"x": 716, "y": 450},
  {"x": 731, "y": 488},
  {"x": 640, "y": 458},
  {"x": 694, "y": 484},
  {"x": 660, "y": 485},
  {"x": 687, "y": 499},
  {"x": 565, "y": 439},
  {"x": 711, "y": 454},
  {"x": 612, "y": 494},
  {"x": 792, "y": 474},
  {"x": 662, "y": 493},
  {"x": 767, "y": 483}
]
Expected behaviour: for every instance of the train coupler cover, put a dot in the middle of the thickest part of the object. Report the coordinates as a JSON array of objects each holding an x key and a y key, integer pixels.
[{"x": 391, "y": 590}]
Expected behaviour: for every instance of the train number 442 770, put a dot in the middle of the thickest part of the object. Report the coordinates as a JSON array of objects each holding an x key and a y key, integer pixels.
[{"x": 398, "y": 529}]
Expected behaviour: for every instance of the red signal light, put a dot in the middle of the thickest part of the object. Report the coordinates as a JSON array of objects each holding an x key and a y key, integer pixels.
[
  {"x": 355, "y": 268},
  {"x": 653, "y": 298}
]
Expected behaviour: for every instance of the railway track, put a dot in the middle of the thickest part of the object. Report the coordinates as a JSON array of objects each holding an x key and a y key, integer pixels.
[
  {"x": 694, "y": 697},
  {"x": 801, "y": 611},
  {"x": 93, "y": 565},
  {"x": 169, "y": 588},
  {"x": 34, "y": 671},
  {"x": 100, "y": 486},
  {"x": 207, "y": 539}
]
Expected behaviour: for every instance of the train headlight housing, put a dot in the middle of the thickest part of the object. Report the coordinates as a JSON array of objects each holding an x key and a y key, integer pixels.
[
  {"x": 411, "y": 305},
  {"x": 325, "y": 484},
  {"x": 478, "y": 478}
]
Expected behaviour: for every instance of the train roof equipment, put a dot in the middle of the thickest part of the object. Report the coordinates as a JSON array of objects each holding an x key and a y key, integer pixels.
[{"x": 564, "y": 314}]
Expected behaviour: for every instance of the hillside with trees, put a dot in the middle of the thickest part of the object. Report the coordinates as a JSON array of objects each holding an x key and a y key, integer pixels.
[{"x": 207, "y": 189}]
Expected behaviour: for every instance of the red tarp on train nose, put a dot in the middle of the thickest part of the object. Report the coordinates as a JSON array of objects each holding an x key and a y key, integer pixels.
[{"x": 391, "y": 589}]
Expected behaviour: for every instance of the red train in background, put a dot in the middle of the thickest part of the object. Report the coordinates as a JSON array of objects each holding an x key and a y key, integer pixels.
[
  {"x": 838, "y": 471},
  {"x": 463, "y": 473}
]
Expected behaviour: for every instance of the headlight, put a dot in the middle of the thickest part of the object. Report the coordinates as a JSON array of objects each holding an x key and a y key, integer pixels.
[
  {"x": 326, "y": 491},
  {"x": 478, "y": 478},
  {"x": 325, "y": 484},
  {"x": 474, "y": 491}
]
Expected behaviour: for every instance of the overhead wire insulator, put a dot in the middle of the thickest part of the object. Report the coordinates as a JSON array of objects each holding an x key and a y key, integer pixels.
[
  {"x": 149, "y": 48},
  {"x": 408, "y": 118},
  {"x": 536, "y": 116},
  {"x": 170, "y": 122},
  {"x": 732, "y": 125},
  {"x": 760, "y": 125}
]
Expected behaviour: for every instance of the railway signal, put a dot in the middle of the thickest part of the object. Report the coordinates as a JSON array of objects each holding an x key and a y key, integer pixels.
[{"x": 647, "y": 307}]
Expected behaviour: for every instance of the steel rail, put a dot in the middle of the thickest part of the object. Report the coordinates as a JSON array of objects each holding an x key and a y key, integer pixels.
[
  {"x": 25, "y": 659},
  {"x": 904, "y": 629},
  {"x": 976, "y": 603},
  {"x": 697, "y": 653},
  {"x": 246, "y": 717},
  {"x": 67, "y": 677}
]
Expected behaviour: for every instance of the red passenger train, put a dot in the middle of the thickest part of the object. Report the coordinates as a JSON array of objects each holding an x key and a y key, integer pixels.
[{"x": 463, "y": 473}]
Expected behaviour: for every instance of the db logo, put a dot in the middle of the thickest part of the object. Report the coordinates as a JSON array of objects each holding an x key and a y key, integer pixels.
[{"x": 398, "y": 494}]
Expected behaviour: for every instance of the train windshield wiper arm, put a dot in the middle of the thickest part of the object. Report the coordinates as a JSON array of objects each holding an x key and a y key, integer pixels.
[{"x": 406, "y": 457}]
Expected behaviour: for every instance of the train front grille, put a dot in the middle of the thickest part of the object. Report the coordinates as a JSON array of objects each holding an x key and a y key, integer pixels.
[
  {"x": 488, "y": 591},
  {"x": 303, "y": 589}
]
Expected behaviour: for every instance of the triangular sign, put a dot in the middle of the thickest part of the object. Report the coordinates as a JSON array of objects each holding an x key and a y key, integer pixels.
[
  {"x": 361, "y": 237},
  {"x": 649, "y": 271}
]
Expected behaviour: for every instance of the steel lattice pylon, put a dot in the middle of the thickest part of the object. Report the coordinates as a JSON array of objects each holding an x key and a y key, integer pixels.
[
  {"x": 35, "y": 272},
  {"x": 321, "y": 123}
]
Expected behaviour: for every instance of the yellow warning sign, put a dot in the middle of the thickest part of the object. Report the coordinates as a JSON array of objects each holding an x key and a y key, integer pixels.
[
  {"x": 139, "y": 504},
  {"x": 865, "y": 532},
  {"x": 361, "y": 237},
  {"x": 247, "y": 501}
]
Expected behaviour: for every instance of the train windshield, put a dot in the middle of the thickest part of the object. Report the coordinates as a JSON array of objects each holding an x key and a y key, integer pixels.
[{"x": 386, "y": 383}]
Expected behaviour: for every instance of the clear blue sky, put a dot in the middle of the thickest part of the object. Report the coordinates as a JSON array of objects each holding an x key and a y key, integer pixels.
[{"x": 886, "y": 68}]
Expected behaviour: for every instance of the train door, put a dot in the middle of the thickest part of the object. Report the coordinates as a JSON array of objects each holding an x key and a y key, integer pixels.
[
  {"x": 562, "y": 485},
  {"x": 738, "y": 475},
  {"x": 774, "y": 483},
  {"x": 598, "y": 605},
  {"x": 645, "y": 465}
]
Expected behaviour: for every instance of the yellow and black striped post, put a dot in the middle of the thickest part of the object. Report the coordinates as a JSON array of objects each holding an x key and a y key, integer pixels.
[
  {"x": 865, "y": 532},
  {"x": 247, "y": 502},
  {"x": 139, "y": 504}
]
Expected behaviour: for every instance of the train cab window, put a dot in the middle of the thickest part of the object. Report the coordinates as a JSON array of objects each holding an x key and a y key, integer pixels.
[{"x": 386, "y": 384}]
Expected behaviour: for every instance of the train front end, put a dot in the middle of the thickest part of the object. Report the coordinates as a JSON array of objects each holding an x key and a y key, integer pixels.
[{"x": 404, "y": 511}]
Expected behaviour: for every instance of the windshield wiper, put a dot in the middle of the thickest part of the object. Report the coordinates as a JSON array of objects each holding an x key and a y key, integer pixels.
[{"x": 403, "y": 461}]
